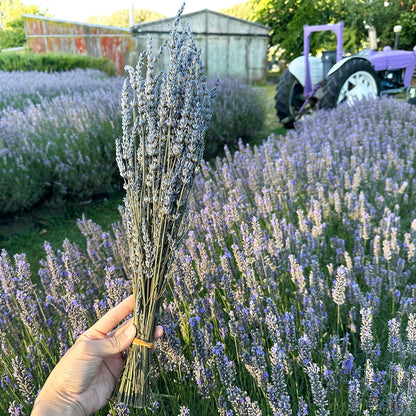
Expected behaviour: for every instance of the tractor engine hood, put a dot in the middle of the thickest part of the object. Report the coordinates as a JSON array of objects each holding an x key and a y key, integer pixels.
[{"x": 389, "y": 60}]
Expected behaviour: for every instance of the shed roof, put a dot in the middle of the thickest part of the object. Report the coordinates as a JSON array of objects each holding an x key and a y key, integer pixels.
[
  {"x": 71, "y": 22},
  {"x": 206, "y": 22}
]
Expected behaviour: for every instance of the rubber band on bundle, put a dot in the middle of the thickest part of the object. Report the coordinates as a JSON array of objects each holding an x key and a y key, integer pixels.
[{"x": 138, "y": 341}]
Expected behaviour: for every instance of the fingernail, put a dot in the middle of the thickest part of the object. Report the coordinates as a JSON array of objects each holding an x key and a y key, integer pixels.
[{"x": 130, "y": 331}]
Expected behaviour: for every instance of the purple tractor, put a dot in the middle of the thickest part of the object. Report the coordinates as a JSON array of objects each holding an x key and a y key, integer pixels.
[{"x": 311, "y": 83}]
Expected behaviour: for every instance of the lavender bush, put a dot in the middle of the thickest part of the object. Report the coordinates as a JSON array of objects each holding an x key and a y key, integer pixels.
[
  {"x": 57, "y": 133},
  {"x": 239, "y": 112},
  {"x": 62, "y": 146},
  {"x": 294, "y": 293},
  {"x": 20, "y": 89}
]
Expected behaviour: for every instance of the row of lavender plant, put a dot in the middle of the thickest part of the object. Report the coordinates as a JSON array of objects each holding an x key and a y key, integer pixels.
[
  {"x": 57, "y": 133},
  {"x": 18, "y": 89},
  {"x": 239, "y": 111},
  {"x": 294, "y": 293},
  {"x": 61, "y": 145}
]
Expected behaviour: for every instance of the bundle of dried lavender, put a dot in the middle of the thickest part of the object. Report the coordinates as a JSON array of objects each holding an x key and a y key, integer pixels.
[{"x": 165, "y": 116}]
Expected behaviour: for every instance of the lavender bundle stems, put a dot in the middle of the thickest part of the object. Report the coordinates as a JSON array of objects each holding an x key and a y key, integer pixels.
[{"x": 162, "y": 145}]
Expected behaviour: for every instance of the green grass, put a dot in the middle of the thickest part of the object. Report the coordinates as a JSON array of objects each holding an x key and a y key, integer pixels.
[
  {"x": 27, "y": 232},
  {"x": 51, "y": 62},
  {"x": 271, "y": 124}
]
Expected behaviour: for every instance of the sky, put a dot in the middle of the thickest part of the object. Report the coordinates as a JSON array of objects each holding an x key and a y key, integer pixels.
[{"x": 80, "y": 10}]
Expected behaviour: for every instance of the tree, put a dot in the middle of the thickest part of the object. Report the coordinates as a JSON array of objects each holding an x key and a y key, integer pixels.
[
  {"x": 241, "y": 10},
  {"x": 12, "y": 29},
  {"x": 121, "y": 18},
  {"x": 407, "y": 38},
  {"x": 287, "y": 17}
]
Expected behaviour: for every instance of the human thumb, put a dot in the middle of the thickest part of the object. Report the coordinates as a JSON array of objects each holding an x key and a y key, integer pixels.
[{"x": 116, "y": 343}]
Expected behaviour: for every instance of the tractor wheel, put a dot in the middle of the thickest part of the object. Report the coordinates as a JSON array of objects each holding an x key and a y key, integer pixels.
[
  {"x": 288, "y": 99},
  {"x": 354, "y": 80},
  {"x": 412, "y": 101}
]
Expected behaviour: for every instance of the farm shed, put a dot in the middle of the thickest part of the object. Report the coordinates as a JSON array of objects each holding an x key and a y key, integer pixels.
[
  {"x": 45, "y": 34},
  {"x": 230, "y": 46}
]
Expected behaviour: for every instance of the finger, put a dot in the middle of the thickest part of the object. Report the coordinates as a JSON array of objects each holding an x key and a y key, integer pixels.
[
  {"x": 158, "y": 332},
  {"x": 121, "y": 328},
  {"x": 114, "y": 316},
  {"x": 157, "y": 335},
  {"x": 113, "y": 345}
]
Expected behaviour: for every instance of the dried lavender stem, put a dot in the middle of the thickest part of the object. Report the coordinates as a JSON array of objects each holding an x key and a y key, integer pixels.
[{"x": 158, "y": 162}]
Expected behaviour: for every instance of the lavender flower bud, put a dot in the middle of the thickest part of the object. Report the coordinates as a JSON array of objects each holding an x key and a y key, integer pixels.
[
  {"x": 184, "y": 411},
  {"x": 341, "y": 281},
  {"x": 366, "y": 330},
  {"x": 318, "y": 392},
  {"x": 277, "y": 392},
  {"x": 24, "y": 380},
  {"x": 411, "y": 336},
  {"x": 302, "y": 407},
  {"x": 369, "y": 375},
  {"x": 242, "y": 403},
  {"x": 354, "y": 395},
  {"x": 226, "y": 368},
  {"x": 395, "y": 343},
  {"x": 16, "y": 409},
  {"x": 121, "y": 410}
]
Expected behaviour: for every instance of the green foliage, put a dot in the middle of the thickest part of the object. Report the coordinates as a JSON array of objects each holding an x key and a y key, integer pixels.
[
  {"x": 238, "y": 112},
  {"x": 12, "y": 37},
  {"x": 27, "y": 232},
  {"x": 379, "y": 14},
  {"x": 240, "y": 10},
  {"x": 407, "y": 39},
  {"x": 120, "y": 18},
  {"x": 287, "y": 17},
  {"x": 12, "y": 33},
  {"x": 52, "y": 62}
]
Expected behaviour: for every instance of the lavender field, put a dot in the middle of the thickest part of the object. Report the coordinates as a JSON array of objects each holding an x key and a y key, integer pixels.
[
  {"x": 294, "y": 294},
  {"x": 56, "y": 136},
  {"x": 20, "y": 89},
  {"x": 57, "y": 133}
]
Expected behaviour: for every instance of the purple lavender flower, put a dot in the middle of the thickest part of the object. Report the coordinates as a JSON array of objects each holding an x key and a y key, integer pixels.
[
  {"x": 354, "y": 395},
  {"x": 395, "y": 343},
  {"x": 318, "y": 392},
  {"x": 225, "y": 367},
  {"x": 15, "y": 409}
]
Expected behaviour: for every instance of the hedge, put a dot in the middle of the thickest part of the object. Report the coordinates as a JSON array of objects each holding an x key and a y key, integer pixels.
[{"x": 52, "y": 62}]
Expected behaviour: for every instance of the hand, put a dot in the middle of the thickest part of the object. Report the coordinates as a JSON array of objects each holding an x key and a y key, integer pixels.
[{"x": 83, "y": 380}]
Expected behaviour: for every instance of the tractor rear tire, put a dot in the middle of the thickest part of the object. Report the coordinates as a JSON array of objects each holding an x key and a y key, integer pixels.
[
  {"x": 354, "y": 80},
  {"x": 288, "y": 99}
]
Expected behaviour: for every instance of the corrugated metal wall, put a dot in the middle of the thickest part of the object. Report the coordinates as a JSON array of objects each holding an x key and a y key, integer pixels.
[{"x": 44, "y": 34}]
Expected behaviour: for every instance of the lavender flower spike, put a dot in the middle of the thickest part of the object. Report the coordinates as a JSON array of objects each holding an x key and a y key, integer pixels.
[{"x": 318, "y": 392}]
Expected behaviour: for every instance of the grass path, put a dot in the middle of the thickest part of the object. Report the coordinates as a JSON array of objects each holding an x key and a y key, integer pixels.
[
  {"x": 271, "y": 124},
  {"x": 27, "y": 232}
]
